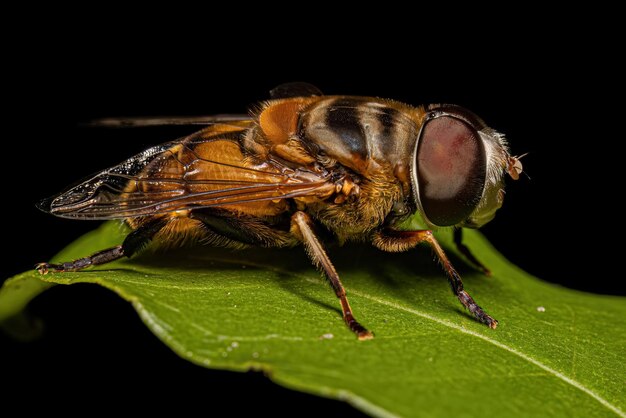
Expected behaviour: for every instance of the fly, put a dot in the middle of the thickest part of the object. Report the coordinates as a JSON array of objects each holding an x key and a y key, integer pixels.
[{"x": 356, "y": 168}]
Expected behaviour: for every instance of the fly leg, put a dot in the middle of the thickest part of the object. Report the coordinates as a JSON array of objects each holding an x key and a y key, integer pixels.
[
  {"x": 133, "y": 242},
  {"x": 302, "y": 227},
  {"x": 101, "y": 257},
  {"x": 463, "y": 249},
  {"x": 395, "y": 241}
]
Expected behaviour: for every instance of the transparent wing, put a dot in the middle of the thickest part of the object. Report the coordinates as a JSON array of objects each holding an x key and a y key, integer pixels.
[
  {"x": 140, "y": 122},
  {"x": 206, "y": 169},
  {"x": 295, "y": 89}
]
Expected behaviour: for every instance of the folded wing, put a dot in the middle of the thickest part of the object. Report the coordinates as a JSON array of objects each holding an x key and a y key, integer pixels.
[{"x": 207, "y": 169}]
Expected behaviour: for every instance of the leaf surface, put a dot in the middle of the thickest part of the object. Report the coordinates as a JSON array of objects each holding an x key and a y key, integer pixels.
[{"x": 556, "y": 352}]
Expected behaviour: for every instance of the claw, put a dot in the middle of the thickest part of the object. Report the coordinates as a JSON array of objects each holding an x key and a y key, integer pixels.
[
  {"x": 42, "y": 268},
  {"x": 365, "y": 335}
]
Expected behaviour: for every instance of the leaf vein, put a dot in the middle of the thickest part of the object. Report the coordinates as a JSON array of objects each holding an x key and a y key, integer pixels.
[{"x": 502, "y": 346}]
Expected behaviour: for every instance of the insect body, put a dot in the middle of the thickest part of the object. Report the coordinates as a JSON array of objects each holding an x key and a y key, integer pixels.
[{"x": 357, "y": 168}]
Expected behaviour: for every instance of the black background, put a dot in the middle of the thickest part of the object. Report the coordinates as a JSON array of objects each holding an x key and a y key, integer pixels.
[{"x": 549, "y": 93}]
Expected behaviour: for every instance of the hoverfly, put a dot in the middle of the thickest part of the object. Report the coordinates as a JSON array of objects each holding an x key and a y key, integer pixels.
[{"x": 356, "y": 168}]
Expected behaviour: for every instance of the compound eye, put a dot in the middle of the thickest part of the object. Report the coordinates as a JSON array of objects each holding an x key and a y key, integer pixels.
[{"x": 451, "y": 167}]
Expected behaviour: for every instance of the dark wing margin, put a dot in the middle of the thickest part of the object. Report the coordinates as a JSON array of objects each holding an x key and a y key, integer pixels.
[
  {"x": 157, "y": 181},
  {"x": 101, "y": 190}
]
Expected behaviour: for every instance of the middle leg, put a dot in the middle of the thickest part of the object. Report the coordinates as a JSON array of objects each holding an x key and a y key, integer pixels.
[{"x": 302, "y": 227}]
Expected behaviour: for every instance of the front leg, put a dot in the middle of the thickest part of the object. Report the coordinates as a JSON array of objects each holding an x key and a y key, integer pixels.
[
  {"x": 463, "y": 249},
  {"x": 302, "y": 227},
  {"x": 396, "y": 241}
]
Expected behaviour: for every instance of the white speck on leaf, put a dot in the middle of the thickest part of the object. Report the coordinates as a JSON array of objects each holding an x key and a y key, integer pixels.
[
  {"x": 541, "y": 309},
  {"x": 327, "y": 336}
]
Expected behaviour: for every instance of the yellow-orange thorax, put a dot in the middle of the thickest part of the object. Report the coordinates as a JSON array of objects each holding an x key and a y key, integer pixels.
[{"x": 343, "y": 159}]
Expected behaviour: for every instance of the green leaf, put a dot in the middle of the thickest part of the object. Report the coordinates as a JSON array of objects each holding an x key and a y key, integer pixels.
[{"x": 556, "y": 352}]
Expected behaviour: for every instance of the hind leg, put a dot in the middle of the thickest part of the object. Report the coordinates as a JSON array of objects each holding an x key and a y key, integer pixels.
[{"x": 133, "y": 242}]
